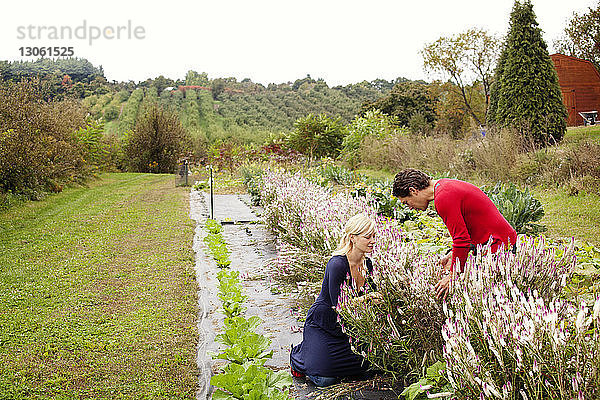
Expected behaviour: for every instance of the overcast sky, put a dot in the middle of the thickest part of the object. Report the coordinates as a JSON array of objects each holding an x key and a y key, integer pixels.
[{"x": 264, "y": 40}]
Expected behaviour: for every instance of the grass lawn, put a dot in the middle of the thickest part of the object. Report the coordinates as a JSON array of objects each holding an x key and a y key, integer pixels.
[
  {"x": 570, "y": 216},
  {"x": 98, "y": 293},
  {"x": 577, "y": 133},
  {"x": 565, "y": 216}
]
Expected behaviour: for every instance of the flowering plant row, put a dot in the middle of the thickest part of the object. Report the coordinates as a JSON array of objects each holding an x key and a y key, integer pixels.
[
  {"x": 510, "y": 333},
  {"x": 308, "y": 220},
  {"x": 508, "y": 330}
]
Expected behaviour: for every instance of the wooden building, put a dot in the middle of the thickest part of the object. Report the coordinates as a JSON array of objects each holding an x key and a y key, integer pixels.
[{"x": 580, "y": 86}]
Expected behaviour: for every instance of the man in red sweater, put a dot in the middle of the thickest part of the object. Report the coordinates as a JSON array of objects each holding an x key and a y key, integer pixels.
[{"x": 470, "y": 216}]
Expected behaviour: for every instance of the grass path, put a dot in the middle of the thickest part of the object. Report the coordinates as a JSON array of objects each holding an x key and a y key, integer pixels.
[{"x": 98, "y": 293}]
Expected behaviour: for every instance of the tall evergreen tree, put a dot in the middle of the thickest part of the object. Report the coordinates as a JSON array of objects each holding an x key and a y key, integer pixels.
[{"x": 526, "y": 95}]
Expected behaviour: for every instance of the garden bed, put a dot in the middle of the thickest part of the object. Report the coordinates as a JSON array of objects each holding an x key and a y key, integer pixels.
[{"x": 251, "y": 247}]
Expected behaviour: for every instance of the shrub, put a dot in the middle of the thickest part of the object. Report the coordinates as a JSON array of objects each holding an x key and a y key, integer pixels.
[
  {"x": 111, "y": 112},
  {"x": 373, "y": 123},
  {"x": 577, "y": 166},
  {"x": 418, "y": 124},
  {"x": 252, "y": 178},
  {"x": 157, "y": 141},
  {"x": 39, "y": 146},
  {"x": 317, "y": 136}
]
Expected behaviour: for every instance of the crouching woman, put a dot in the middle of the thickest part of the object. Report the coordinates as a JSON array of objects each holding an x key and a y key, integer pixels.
[{"x": 324, "y": 355}]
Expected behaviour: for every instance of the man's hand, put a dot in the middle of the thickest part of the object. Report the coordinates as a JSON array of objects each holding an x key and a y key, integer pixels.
[
  {"x": 442, "y": 288},
  {"x": 446, "y": 262}
]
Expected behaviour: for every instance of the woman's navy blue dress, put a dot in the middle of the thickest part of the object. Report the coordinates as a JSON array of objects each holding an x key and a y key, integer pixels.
[{"x": 325, "y": 349}]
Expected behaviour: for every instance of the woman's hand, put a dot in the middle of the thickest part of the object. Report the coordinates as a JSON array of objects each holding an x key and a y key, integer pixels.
[{"x": 374, "y": 297}]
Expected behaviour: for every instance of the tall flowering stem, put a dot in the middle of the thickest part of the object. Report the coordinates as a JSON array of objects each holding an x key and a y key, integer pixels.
[
  {"x": 510, "y": 335},
  {"x": 401, "y": 330},
  {"x": 395, "y": 333},
  {"x": 308, "y": 220}
]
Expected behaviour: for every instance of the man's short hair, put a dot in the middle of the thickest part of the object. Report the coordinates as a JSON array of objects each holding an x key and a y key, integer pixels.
[{"x": 408, "y": 178}]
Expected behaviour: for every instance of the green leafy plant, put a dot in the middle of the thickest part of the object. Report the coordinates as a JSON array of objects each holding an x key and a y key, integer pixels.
[
  {"x": 317, "y": 136},
  {"x": 236, "y": 328},
  {"x": 520, "y": 209},
  {"x": 372, "y": 123},
  {"x": 250, "y": 347},
  {"x": 200, "y": 185},
  {"x": 434, "y": 382},
  {"x": 230, "y": 293},
  {"x": 212, "y": 226},
  {"x": 245, "y": 377},
  {"x": 250, "y": 381},
  {"x": 216, "y": 243}
]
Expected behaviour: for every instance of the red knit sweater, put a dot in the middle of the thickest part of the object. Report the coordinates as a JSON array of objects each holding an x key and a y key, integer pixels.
[{"x": 471, "y": 218}]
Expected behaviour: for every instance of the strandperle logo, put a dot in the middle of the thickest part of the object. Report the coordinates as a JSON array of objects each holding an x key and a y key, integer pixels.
[{"x": 91, "y": 33}]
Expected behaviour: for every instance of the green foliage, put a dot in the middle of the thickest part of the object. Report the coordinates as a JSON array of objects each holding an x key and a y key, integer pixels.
[
  {"x": 90, "y": 140},
  {"x": 213, "y": 226},
  {"x": 216, "y": 243},
  {"x": 434, "y": 381},
  {"x": 405, "y": 99},
  {"x": 244, "y": 377},
  {"x": 520, "y": 209},
  {"x": 217, "y": 87},
  {"x": 200, "y": 185},
  {"x": 252, "y": 178},
  {"x": 250, "y": 382},
  {"x": 250, "y": 347},
  {"x": 317, "y": 136},
  {"x": 40, "y": 144},
  {"x": 372, "y": 123},
  {"x": 78, "y": 69},
  {"x": 581, "y": 36},
  {"x": 236, "y": 328},
  {"x": 193, "y": 78},
  {"x": 157, "y": 141},
  {"x": 331, "y": 173},
  {"x": 526, "y": 95},
  {"x": 128, "y": 117},
  {"x": 230, "y": 293},
  {"x": 465, "y": 58},
  {"x": 111, "y": 113}
]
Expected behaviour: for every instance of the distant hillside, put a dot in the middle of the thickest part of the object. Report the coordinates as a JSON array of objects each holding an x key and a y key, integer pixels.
[
  {"x": 222, "y": 109},
  {"x": 211, "y": 109}
]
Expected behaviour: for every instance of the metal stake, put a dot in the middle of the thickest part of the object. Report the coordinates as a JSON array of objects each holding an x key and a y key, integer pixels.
[
  {"x": 185, "y": 170},
  {"x": 212, "y": 212}
]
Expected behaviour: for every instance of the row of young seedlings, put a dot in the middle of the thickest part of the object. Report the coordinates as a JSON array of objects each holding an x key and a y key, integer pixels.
[{"x": 245, "y": 377}]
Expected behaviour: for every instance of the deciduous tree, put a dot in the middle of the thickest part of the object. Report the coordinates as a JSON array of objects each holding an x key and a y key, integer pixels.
[
  {"x": 405, "y": 100},
  {"x": 581, "y": 37},
  {"x": 157, "y": 141},
  {"x": 464, "y": 59}
]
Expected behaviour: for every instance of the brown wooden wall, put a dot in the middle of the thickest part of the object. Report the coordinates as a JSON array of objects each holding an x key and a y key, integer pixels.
[{"x": 580, "y": 86}]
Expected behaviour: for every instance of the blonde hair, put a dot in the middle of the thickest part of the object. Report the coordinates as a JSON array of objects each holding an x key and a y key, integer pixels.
[{"x": 360, "y": 224}]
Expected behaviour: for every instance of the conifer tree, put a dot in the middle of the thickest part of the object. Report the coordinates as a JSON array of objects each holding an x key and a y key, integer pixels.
[{"x": 525, "y": 94}]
